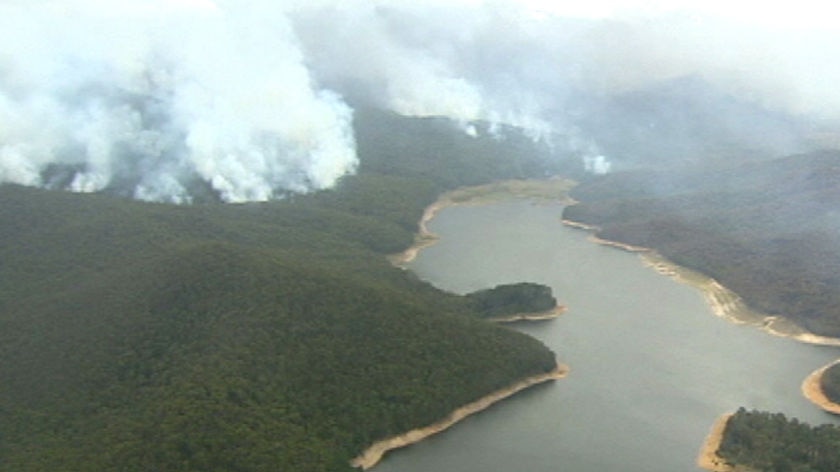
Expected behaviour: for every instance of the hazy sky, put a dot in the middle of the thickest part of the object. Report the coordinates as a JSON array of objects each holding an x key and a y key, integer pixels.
[
  {"x": 787, "y": 15},
  {"x": 252, "y": 97}
]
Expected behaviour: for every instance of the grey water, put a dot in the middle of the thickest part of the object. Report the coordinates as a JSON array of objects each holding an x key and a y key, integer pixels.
[{"x": 651, "y": 367}]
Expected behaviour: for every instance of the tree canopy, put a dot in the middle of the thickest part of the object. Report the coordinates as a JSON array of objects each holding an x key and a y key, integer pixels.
[
  {"x": 771, "y": 442},
  {"x": 512, "y": 299},
  {"x": 262, "y": 336}
]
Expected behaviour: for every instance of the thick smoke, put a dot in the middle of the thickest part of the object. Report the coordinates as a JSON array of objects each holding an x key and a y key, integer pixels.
[
  {"x": 468, "y": 62},
  {"x": 554, "y": 75},
  {"x": 249, "y": 100},
  {"x": 162, "y": 96}
]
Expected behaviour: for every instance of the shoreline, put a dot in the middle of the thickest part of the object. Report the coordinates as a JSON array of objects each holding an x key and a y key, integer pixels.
[
  {"x": 622, "y": 246},
  {"x": 424, "y": 238},
  {"x": 376, "y": 451},
  {"x": 708, "y": 458},
  {"x": 551, "y": 190},
  {"x": 726, "y": 304},
  {"x": 537, "y": 316},
  {"x": 723, "y": 302},
  {"x": 604, "y": 242},
  {"x": 813, "y": 391}
]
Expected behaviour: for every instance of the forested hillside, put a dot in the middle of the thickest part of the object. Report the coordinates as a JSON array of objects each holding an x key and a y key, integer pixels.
[
  {"x": 253, "y": 337},
  {"x": 770, "y": 231}
]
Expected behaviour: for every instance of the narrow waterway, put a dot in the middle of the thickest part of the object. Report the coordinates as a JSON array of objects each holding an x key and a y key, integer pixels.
[{"x": 652, "y": 367}]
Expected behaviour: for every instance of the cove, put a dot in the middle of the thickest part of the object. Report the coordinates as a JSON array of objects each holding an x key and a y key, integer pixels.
[{"x": 651, "y": 367}]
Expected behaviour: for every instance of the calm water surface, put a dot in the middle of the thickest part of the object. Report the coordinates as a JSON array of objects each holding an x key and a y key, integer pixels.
[{"x": 652, "y": 367}]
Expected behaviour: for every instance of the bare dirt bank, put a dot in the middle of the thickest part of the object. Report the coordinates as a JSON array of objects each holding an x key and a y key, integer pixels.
[
  {"x": 708, "y": 458},
  {"x": 423, "y": 239},
  {"x": 606, "y": 242},
  {"x": 813, "y": 391},
  {"x": 374, "y": 453}
]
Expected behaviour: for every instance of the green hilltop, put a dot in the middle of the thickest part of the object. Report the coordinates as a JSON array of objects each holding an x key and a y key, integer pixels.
[{"x": 266, "y": 336}]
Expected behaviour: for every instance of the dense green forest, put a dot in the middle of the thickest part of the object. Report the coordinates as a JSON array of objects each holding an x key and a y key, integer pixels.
[
  {"x": 770, "y": 442},
  {"x": 252, "y": 337},
  {"x": 767, "y": 230},
  {"x": 511, "y": 299}
]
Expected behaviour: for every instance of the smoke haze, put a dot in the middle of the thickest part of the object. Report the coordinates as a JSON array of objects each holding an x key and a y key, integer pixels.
[
  {"x": 160, "y": 94},
  {"x": 252, "y": 100}
]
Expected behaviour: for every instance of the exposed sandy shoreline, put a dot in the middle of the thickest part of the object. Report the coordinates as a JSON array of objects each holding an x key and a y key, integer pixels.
[
  {"x": 374, "y": 453},
  {"x": 730, "y": 306},
  {"x": 724, "y": 302},
  {"x": 554, "y": 190},
  {"x": 812, "y": 389},
  {"x": 605, "y": 242},
  {"x": 424, "y": 238},
  {"x": 708, "y": 458},
  {"x": 539, "y": 316},
  {"x": 626, "y": 247}
]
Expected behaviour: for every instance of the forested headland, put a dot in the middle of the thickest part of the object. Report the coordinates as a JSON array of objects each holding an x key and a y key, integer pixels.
[
  {"x": 772, "y": 442},
  {"x": 766, "y": 230},
  {"x": 249, "y": 337},
  {"x": 512, "y": 299}
]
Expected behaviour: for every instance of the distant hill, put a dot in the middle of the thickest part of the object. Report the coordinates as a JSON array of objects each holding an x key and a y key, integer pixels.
[
  {"x": 273, "y": 336},
  {"x": 685, "y": 120},
  {"x": 768, "y": 230}
]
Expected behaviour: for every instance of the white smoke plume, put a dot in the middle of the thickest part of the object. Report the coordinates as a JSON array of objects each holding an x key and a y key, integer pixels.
[
  {"x": 161, "y": 95},
  {"x": 598, "y": 165},
  {"x": 468, "y": 61},
  {"x": 250, "y": 99}
]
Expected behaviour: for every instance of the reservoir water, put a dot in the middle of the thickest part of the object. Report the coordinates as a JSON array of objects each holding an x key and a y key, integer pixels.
[{"x": 651, "y": 367}]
